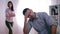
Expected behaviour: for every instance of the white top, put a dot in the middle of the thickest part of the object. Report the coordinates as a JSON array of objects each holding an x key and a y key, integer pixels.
[{"x": 8, "y": 11}]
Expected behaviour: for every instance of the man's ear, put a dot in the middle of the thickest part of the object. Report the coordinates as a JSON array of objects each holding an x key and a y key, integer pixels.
[{"x": 25, "y": 14}]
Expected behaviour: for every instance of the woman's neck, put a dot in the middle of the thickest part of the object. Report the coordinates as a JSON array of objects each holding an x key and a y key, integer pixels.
[{"x": 10, "y": 8}]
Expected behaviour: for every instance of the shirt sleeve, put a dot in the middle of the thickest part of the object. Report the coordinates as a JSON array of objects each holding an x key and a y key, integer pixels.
[
  {"x": 6, "y": 13},
  {"x": 13, "y": 12},
  {"x": 49, "y": 20},
  {"x": 29, "y": 26}
]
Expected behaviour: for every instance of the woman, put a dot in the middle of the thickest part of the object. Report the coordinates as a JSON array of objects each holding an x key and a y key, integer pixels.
[{"x": 9, "y": 16}]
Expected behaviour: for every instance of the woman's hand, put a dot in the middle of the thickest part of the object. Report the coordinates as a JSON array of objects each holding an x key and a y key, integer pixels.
[{"x": 12, "y": 15}]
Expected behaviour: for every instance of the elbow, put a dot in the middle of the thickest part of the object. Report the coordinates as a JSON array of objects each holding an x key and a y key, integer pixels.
[
  {"x": 13, "y": 15},
  {"x": 53, "y": 29},
  {"x": 25, "y": 31}
]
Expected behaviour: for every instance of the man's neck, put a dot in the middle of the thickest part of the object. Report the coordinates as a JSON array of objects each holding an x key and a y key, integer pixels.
[{"x": 34, "y": 15}]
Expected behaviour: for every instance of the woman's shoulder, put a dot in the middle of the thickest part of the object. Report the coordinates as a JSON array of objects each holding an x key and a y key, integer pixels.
[{"x": 7, "y": 8}]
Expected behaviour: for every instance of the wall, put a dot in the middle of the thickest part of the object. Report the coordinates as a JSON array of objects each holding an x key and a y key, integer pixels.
[
  {"x": 36, "y": 6},
  {"x": 3, "y": 29},
  {"x": 56, "y": 2}
]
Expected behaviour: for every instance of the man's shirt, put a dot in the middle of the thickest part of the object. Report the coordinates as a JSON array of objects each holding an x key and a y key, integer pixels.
[{"x": 41, "y": 23}]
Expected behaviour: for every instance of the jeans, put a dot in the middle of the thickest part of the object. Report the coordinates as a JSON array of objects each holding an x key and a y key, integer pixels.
[{"x": 9, "y": 25}]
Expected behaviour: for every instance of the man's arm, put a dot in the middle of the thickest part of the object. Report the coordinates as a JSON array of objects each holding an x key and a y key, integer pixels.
[
  {"x": 25, "y": 29},
  {"x": 53, "y": 29},
  {"x": 50, "y": 22}
]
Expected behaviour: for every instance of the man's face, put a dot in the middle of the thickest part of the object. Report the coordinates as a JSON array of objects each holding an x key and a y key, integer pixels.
[{"x": 30, "y": 14}]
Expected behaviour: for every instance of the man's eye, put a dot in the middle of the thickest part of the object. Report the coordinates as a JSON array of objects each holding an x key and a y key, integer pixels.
[{"x": 28, "y": 16}]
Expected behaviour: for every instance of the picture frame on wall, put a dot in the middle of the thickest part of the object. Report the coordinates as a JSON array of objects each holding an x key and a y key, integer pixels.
[{"x": 54, "y": 12}]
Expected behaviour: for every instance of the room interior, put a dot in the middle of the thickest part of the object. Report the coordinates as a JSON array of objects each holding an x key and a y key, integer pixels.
[{"x": 19, "y": 5}]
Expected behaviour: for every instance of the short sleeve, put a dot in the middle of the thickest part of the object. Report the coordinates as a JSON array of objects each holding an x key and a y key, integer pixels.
[
  {"x": 13, "y": 12},
  {"x": 49, "y": 20},
  {"x": 6, "y": 13}
]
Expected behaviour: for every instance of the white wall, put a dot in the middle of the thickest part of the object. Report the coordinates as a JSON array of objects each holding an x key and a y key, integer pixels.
[
  {"x": 55, "y": 2},
  {"x": 2, "y": 17}
]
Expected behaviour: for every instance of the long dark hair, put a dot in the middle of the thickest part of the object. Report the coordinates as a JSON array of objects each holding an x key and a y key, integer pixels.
[{"x": 12, "y": 5}]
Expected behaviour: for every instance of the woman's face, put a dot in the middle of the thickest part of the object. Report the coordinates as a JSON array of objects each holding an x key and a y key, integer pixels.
[{"x": 10, "y": 5}]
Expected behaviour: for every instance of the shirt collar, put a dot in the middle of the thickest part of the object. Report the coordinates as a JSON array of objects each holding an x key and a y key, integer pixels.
[{"x": 36, "y": 17}]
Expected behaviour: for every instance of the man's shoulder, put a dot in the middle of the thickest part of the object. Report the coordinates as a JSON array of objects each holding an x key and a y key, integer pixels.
[{"x": 41, "y": 13}]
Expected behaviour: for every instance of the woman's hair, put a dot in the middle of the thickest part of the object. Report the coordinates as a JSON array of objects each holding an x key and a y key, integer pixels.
[{"x": 12, "y": 5}]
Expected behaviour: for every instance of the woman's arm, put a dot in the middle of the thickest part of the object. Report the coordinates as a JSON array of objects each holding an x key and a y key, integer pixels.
[
  {"x": 12, "y": 14},
  {"x": 6, "y": 13}
]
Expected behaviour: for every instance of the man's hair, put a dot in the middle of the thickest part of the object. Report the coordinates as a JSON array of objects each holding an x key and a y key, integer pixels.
[{"x": 25, "y": 10}]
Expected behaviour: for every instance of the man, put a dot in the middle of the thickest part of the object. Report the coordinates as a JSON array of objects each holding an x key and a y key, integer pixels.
[{"x": 41, "y": 22}]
